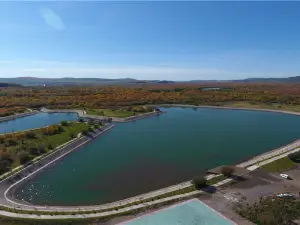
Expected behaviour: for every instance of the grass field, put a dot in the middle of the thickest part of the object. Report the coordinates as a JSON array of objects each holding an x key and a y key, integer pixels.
[
  {"x": 110, "y": 113},
  {"x": 280, "y": 165}
]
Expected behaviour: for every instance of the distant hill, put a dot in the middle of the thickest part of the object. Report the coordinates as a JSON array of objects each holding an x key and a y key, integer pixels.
[
  {"x": 9, "y": 85},
  {"x": 34, "y": 81},
  {"x": 288, "y": 79},
  {"x": 255, "y": 80},
  {"x": 68, "y": 81}
]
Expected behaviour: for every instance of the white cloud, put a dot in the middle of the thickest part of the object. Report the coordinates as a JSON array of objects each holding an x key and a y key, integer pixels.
[{"x": 52, "y": 19}]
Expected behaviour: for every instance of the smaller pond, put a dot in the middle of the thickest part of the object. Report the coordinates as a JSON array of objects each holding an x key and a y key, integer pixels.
[{"x": 35, "y": 121}]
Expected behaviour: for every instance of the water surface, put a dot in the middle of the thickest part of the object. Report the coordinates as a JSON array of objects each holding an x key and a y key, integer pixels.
[
  {"x": 152, "y": 153},
  {"x": 35, "y": 121}
]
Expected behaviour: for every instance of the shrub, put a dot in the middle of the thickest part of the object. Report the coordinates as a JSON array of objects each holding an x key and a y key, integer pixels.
[
  {"x": 227, "y": 170},
  {"x": 34, "y": 151},
  {"x": 81, "y": 120},
  {"x": 96, "y": 126},
  {"x": 60, "y": 129},
  {"x": 42, "y": 149},
  {"x": 295, "y": 156},
  {"x": 90, "y": 129},
  {"x": 64, "y": 123},
  {"x": 85, "y": 132},
  {"x": 72, "y": 135},
  {"x": 199, "y": 182},
  {"x": 30, "y": 135},
  {"x": 50, "y": 146},
  {"x": 5, "y": 165},
  {"x": 11, "y": 142},
  {"x": 4, "y": 155},
  {"x": 23, "y": 157}
]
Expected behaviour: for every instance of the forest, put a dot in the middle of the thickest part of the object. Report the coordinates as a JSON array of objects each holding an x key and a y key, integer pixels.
[{"x": 114, "y": 97}]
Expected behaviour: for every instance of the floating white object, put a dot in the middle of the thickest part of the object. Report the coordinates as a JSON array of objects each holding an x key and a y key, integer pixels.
[
  {"x": 285, "y": 176},
  {"x": 285, "y": 195}
]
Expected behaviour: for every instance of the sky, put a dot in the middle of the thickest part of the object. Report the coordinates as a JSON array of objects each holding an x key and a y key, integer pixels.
[{"x": 150, "y": 40}]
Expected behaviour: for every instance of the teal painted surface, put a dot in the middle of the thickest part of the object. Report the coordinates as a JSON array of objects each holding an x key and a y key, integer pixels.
[
  {"x": 137, "y": 157},
  {"x": 35, "y": 121},
  {"x": 189, "y": 213}
]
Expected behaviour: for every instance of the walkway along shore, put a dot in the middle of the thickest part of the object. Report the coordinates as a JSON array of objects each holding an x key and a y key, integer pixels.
[{"x": 251, "y": 164}]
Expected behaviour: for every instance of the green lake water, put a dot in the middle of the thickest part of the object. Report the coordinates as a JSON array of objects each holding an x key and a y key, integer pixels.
[
  {"x": 35, "y": 121},
  {"x": 137, "y": 157}
]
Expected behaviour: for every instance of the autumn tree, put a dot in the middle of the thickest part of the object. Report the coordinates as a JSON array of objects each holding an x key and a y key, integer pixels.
[
  {"x": 64, "y": 123},
  {"x": 30, "y": 134}
]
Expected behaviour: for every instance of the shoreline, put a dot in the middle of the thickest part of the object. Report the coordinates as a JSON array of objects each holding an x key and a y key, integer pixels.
[{"x": 231, "y": 108}]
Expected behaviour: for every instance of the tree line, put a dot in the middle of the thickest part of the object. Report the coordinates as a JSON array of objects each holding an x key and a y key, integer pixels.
[{"x": 107, "y": 97}]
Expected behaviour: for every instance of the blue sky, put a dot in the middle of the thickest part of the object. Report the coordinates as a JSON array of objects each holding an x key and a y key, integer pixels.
[{"x": 150, "y": 40}]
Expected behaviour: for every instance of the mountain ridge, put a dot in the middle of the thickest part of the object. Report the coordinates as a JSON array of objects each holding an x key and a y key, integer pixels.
[{"x": 66, "y": 81}]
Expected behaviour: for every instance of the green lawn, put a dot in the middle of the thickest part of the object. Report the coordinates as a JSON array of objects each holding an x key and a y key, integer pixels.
[
  {"x": 280, "y": 165},
  {"x": 110, "y": 113},
  {"x": 63, "y": 137}
]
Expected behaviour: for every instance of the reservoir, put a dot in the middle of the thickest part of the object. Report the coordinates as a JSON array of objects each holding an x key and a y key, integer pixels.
[
  {"x": 137, "y": 157},
  {"x": 35, "y": 121}
]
